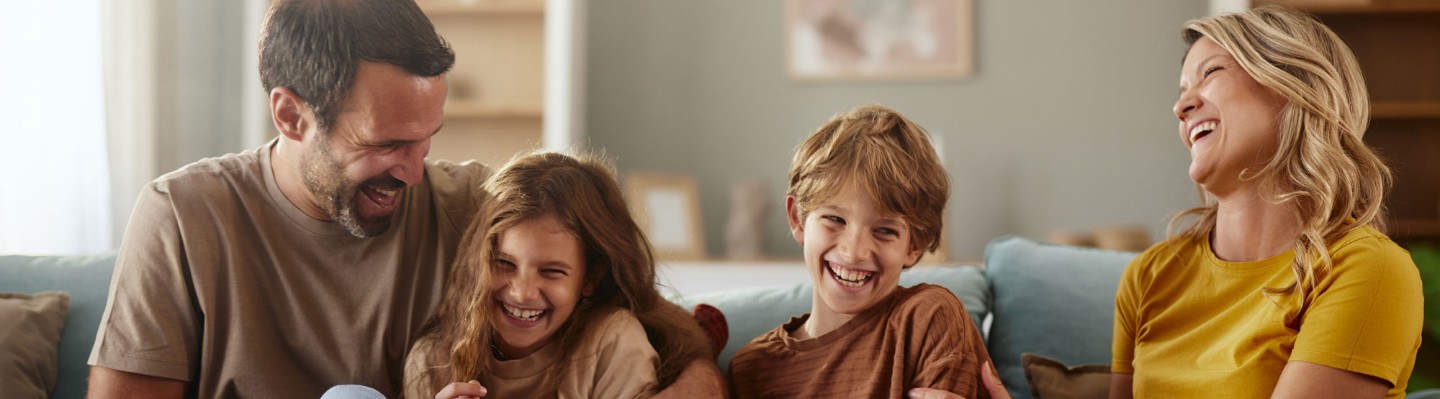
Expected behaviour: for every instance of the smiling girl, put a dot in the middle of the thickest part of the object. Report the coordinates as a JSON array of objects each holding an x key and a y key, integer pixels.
[{"x": 553, "y": 281}]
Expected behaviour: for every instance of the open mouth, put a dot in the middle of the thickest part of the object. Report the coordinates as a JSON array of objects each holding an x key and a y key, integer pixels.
[
  {"x": 384, "y": 198},
  {"x": 522, "y": 314},
  {"x": 1203, "y": 129},
  {"x": 848, "y": 277}
]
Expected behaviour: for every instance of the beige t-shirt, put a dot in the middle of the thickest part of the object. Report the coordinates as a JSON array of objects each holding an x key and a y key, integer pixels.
[
  {"x": 614, "y": 360},
  {"x": 222, "y": 282}
]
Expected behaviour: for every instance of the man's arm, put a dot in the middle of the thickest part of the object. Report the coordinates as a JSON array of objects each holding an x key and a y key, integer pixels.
[
  {"x": 110, "y": 383},
  {"x": 701, "y": 379}
]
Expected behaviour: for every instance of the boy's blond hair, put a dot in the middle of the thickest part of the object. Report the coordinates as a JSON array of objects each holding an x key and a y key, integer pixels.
[{"x": 877, "y": 151}]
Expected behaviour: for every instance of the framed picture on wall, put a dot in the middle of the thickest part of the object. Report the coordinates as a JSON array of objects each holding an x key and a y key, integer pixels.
[
  {"x": 879, "y": 39},
  {"x": 667, "y": 207}
]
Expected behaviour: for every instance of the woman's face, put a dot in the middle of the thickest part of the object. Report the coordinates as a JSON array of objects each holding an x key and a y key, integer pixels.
[{"x": 1229, "y": 121}]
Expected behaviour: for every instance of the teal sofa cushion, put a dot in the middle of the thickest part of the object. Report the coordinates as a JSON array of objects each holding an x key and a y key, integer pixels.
[
  {"x": 751, "y": 312},
  {"x": 87, "y": 280},
  {"x": 1053, "y": 300}
]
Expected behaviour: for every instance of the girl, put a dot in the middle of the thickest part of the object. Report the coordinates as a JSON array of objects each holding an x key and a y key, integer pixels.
[
  {"x": 552, "y": 285},
  {"x": 1284, "y": 284}
]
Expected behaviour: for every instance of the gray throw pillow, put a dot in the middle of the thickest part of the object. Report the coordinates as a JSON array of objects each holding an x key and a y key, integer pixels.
[{"x": 29, "y": 340}]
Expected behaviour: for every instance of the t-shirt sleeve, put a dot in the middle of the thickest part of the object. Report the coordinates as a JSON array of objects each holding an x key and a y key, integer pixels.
[
  {"x": 625, "y": 361},
  {"x": 149, "y": 326},
  {"x": 1127, "y": 307},
  {"x": 418, "y": 361},
  {"x": 1367, "y": 316},
  {"x": 946, "y": 343}
]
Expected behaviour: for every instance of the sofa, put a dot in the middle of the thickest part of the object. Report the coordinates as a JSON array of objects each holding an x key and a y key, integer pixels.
[{"x": 1052, "y": 300}]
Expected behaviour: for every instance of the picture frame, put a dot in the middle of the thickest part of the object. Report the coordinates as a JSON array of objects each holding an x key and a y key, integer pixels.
[
  {"x": 879, "y": 39},
  {"x": 667, "y": 208}
]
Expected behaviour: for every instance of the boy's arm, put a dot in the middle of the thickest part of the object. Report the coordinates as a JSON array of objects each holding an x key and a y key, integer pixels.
[
  {"x": 111, "y": 383},
  {"x": 992, "y": 386}
]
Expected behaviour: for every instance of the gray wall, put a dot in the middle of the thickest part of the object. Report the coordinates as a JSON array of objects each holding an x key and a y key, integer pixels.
[{"x": 1065, "y": 125}]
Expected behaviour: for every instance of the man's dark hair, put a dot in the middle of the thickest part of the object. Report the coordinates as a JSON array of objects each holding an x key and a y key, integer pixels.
[{"x": 313, "y": 47}]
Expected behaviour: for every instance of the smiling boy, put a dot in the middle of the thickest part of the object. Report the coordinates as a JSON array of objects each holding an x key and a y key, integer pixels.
[{"x": 865, "y": 199}]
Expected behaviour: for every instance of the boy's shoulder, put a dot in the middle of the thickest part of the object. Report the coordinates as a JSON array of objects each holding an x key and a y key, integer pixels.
[{"x": 925, "y": 298}]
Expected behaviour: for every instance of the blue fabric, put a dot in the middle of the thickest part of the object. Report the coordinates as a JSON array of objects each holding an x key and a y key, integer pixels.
[
  {"x": 352, "y": 392},
  {"x": 87, "y": 280},
  {"x": 1053, "y": 300},
  {"x": 751, "y": 312}
]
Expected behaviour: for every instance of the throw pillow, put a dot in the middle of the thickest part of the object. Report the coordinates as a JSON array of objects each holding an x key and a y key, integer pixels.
[
  {"x": 30, "y": 341},
  {"x": 1051, "y": 379},
  {"x": 713, "y": 322}
]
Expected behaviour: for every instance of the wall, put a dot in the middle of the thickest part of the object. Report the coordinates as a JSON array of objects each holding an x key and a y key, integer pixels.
[{"x": 1065, "y": 125}]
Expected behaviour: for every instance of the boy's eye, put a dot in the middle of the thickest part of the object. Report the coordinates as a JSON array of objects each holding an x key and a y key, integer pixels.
[
  {"x": 888, "y": 231},
  {"x": 833, "y": 219}
]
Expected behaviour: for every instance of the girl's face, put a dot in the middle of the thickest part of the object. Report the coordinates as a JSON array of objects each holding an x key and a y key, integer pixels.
[
  {"x": 1229, "y": 121},
  {"x": 539, "y": 278}
]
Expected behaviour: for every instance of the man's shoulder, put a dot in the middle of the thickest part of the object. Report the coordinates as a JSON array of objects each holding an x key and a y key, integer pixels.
[
  {"x": 237, "y": 169},
  {"x": 458, "y": 188}
]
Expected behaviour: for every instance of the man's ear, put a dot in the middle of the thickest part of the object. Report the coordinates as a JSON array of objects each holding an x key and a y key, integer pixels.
[
  {"x": 292, "y": 117},
  {"x": 792, "y": 214}
]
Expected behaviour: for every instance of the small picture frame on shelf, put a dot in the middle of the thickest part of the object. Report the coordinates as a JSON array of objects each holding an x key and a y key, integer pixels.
[
  {"x": 667, "y": 207},
  {"x": 879, "y": 39}
]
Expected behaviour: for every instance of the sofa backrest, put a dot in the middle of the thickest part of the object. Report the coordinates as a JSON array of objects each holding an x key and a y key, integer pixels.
[
  {"x": 752, "y": 312},
  {"x": 87, "y": 280},
  {"x": 1052, "y": 300}
]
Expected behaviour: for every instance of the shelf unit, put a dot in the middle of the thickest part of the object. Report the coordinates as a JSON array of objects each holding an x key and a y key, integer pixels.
[
  {"x": 1398, "y": 45},
  {"x": 496, "y": 106}
]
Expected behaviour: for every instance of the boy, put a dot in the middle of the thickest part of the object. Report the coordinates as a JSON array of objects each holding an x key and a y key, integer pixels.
[{"x": 865, "y": 201}]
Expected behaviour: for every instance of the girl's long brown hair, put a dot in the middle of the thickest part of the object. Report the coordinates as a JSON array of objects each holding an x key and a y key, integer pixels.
[{"x": 582, "y": 195}]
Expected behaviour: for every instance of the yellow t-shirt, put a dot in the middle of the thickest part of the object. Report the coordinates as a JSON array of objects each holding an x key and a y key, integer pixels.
[{"x": 1188, "y": 324}]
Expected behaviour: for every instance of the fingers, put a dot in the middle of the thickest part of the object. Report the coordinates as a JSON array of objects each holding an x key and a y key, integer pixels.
[
  {"x": 991, "y": 379},
  {"x": 930, "y": 393},
  {"x": 460, "y": 390}
]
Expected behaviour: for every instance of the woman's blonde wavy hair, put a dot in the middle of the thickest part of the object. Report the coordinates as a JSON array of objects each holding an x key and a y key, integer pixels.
[
  {"x": 583, "y": 196},
  {"x": 1322, "y": 172}
]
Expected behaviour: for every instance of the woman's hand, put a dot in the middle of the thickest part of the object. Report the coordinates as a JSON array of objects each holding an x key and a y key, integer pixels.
[
  {"x": 987, "y": 377},
  {"x": 458, "y": 390}
]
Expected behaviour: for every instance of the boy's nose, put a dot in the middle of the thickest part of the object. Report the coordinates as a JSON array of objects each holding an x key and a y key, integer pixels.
[{"x": 856, "y": 247}]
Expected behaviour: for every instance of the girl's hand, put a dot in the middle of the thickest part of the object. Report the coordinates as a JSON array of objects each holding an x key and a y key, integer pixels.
[
  {"x": 987, "y": 377},
  {"x": 458, "y": 390}
]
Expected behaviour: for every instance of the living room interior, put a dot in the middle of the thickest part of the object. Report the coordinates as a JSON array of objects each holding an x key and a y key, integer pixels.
[{"x": 1059, "y": 130}]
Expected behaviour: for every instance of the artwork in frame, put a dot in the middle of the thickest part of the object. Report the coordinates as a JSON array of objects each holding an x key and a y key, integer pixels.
[
  {"x": 879, "y": 39},
  {"x": 667, "y": 207}
]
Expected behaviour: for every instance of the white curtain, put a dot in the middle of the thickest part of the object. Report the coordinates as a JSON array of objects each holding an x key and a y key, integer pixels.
[{"x": 54, "y": 188}]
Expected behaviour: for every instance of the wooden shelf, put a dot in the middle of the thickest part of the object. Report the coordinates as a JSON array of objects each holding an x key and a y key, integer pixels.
[
  {"x": 483, "y": 7},
  {"x": 1358, "y": 6},
  {"x": 1414, "y": 228},
  {"x": 1405, "y": 110},
  {"x": 475, "y": 110}
]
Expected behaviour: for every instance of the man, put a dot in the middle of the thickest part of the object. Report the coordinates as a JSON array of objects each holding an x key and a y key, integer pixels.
[{"x": 315, "y": 259}]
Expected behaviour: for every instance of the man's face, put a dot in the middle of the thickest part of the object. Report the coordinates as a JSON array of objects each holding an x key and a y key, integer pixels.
[{"x": 376, "y": 148}]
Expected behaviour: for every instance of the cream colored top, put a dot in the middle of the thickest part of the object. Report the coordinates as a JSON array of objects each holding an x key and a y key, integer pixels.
[{"x": 614, "y": 360}]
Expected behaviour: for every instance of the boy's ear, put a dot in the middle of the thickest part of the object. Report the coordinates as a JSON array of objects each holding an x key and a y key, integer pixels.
[
  {"x": 792, "y": 214},
  {"x": 913, "y": 257},
  {"x": 291, "y": 116}
]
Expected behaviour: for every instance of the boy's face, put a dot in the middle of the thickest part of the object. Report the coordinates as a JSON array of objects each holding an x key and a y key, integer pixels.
[{"x": 854, "y": 251}]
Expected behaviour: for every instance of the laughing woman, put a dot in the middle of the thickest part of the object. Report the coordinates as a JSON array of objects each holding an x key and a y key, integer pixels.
[{"x": 1282, "y": 285}]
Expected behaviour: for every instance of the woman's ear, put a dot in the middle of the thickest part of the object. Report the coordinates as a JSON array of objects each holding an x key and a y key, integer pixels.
[{"x": 792, "y": 214}]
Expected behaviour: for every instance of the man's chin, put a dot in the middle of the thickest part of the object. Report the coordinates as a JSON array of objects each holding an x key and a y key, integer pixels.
[{"x": 366, "y": 227}]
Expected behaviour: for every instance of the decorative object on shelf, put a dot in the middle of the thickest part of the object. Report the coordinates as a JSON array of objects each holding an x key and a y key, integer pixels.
[
  {"x": 667, "y": 206},
  {"x": 880, "y": 39},
  {"x": 1125, "y": 237},
  {"x": 745, "y": 227}
]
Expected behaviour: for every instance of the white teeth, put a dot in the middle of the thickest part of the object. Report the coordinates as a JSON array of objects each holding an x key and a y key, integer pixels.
[
  {"x": 1207, "y": 126},
  {"x": 850, "y": 277},
  {"x": 387, "y": 193},
  {"x": 522, "y": 314}
]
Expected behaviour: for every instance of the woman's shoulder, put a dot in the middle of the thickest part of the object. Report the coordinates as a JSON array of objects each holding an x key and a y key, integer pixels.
[{"x": 1366, "y": 253}]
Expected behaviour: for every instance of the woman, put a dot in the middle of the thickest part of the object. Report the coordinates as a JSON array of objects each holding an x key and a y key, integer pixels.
[{"x": 1282, "y": 285}]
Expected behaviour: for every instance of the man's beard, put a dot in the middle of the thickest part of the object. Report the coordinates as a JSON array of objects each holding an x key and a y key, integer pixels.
[{"x": 339, "y": 197}]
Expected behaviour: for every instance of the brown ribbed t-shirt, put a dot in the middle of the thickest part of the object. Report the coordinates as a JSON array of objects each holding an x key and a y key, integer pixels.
[{"x": 920, "y": 337}]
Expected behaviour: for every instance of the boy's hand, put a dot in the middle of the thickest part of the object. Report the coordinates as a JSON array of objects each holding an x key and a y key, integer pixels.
[
  {"x": 458, "y": 390},
  {"x": 987, "y": 377}
]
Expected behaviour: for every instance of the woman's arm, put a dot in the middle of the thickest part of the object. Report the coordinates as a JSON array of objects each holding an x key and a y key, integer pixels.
[
  {"x": 1309, "y": 380},
  {"x": 1122, "y": 386}
]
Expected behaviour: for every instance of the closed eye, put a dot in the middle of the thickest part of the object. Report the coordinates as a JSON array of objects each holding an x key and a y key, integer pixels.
[
  {"x": 554, "y": 272},
  {"x": 1212, "y": 69},
  {"x": 833, "y": 219}
]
